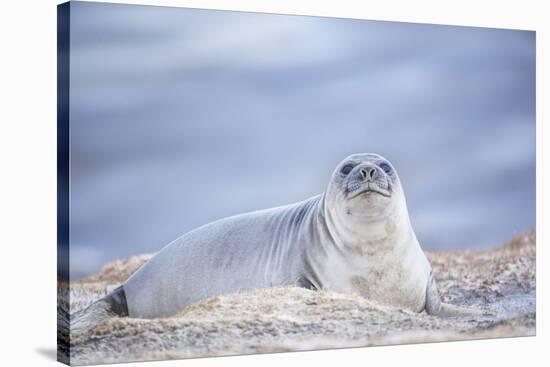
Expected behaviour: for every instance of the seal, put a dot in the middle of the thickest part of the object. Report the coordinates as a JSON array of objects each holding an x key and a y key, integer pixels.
[{"x": 355, "y": 237}]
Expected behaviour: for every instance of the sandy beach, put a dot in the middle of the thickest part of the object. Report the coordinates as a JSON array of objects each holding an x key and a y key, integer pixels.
[{"x": 500, "y": 281}]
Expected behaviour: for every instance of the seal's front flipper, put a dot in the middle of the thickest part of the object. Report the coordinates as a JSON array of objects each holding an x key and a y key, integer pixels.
[
  {"x": 303, "y": 282},
  {"x": 434, "y": 306}
]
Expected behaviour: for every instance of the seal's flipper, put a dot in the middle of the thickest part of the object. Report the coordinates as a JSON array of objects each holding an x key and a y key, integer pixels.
[
  {"x": 117, "y": 302},
  {"x": 433, "y": 303},
  {"x": 449, "y": 310},
  {"x": 304, "y": 282},
  {"x": 112, "y": 305},
  {"x": 434, "y": 306}
]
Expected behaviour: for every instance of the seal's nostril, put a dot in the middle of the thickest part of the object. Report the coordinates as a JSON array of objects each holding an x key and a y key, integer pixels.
[
  {"x": 372, "y": 173},
  {"x": 367, "y": 173}
]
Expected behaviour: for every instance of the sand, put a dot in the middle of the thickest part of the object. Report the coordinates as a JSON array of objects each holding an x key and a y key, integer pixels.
[{"x": 500, "y": 281}]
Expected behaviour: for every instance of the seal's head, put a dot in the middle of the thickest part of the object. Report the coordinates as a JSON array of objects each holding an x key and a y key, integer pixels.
[{"x": 364, "y": 187}]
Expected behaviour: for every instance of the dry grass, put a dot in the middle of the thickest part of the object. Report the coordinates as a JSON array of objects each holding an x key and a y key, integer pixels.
[
  {"x": 118, "y": 271},
  {"x": 501, "y": 280}
]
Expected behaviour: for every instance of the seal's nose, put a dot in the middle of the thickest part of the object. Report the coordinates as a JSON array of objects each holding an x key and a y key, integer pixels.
[{"x": 368, "y": 173}]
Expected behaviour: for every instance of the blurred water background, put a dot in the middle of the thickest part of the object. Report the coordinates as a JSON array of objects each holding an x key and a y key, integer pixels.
[{"x": 180, "y": 117}]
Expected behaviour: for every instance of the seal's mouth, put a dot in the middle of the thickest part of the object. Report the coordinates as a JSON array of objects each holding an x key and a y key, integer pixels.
[{"x": 369, "y": 189}]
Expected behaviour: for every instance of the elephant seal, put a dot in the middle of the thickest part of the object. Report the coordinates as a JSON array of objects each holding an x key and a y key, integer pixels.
[{"x": 357, "y": 236}]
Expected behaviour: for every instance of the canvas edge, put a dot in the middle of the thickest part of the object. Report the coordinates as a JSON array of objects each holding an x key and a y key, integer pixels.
[{"x": 63, "y": 240}]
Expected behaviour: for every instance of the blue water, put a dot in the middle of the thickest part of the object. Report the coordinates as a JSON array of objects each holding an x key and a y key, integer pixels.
[{"x": 180, "y": 117}]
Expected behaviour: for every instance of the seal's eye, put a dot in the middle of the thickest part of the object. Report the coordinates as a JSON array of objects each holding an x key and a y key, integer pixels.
[
  {"x": 386, "y": 167},
  {"x": 346, "y": 169}
]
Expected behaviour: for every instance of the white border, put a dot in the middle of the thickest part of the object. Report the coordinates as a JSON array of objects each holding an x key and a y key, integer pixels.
[{"x": 28, "y": 186}]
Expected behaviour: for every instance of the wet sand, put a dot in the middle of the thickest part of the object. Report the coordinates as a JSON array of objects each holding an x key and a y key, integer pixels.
[{"x": 499, "y": 281}]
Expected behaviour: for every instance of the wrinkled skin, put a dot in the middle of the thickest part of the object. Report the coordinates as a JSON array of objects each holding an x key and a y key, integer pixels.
[{"x": 355, "y": 237}]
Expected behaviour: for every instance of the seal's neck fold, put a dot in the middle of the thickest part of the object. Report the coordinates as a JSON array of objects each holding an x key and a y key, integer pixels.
[{"x": 387, "y": 230}]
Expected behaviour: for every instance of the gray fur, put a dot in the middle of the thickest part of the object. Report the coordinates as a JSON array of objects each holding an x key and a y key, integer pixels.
[
  {"x": 255, "y": 250},
  {"x": 355, "y": 237}
]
